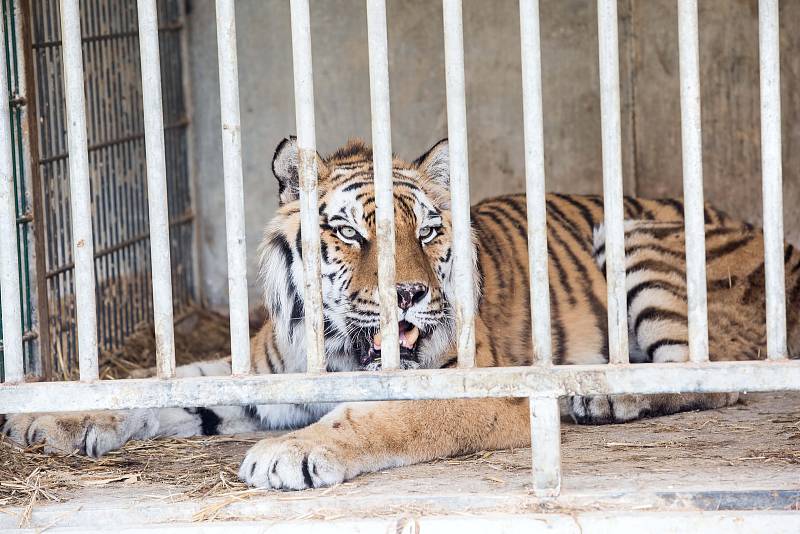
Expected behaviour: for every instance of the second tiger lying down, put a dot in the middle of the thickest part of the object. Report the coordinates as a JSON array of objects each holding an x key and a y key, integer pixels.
[{"x": 338, "y": 442}]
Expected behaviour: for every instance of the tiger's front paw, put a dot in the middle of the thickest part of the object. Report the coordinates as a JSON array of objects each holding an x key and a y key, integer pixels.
[
  {"x": 292, "y": 462},
  {"x": 607, "y": 409},
  {"x": 89, "y": 433}
]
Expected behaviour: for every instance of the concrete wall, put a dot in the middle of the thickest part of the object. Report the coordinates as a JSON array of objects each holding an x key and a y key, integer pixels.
[{"x": 650, "y": 106}]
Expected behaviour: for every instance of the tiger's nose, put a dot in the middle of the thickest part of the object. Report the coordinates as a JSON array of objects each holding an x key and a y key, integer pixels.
[{"x": 410, "y": 294}]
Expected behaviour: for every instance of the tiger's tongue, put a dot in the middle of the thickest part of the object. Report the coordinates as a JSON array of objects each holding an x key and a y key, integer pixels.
[{"x": 409, "y": 335}]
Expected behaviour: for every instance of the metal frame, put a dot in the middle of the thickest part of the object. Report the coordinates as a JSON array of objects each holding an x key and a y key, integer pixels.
[
  {"x": 157, "y": 189},
  {"x": 37, "y": 196},
  {"x": 80, "y": 193},
  {"x": 307, "y": 163},
  {"x": 9, "y": 262},
  {"x": 542, "y": 382},
  {"x": 116, "y": 144}
]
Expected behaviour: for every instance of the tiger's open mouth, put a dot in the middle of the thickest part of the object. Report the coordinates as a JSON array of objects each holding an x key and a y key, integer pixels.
[{"x": 409, "y": 337}]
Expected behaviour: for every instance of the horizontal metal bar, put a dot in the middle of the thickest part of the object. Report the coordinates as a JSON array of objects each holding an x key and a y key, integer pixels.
[
  {"x": 27, "y": 336},
  {"x": 530, "y": 381},
  {"x": 25, "y": 218},
  {"x": 692, "y": 150},
  {"x": 173, "y": 27},
  {"x": 182, "y": 122},
  {"x": 523, "y": 520},
  {"x": 120, "y": 246},
  {"x": 186, "y": 218}
]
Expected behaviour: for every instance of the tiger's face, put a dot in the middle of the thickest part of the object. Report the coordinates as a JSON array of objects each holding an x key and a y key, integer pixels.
[{"x": 349, "y": 258}]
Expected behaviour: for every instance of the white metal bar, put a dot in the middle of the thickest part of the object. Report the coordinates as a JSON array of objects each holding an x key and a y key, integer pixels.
[
  {"x": 80, "y": 191},
  {"x": 234, "y": 189},
  {"x": 463, "y": 261},
  {"x": 693, "y": 206},
  {"x": 186, "y": 85},
  {"x": 307, "y": 162},
  {"x": 532, "y": 118},
  {"x": 384, "y": 196},
  {"x": 528, "y": 381},
  {"x": 546, "y": 446},
  {"x": 157, "y": 189},
  {"x": 505, "y": 517},
  {"x": 612, "y": 181},
  {"x": 772, "y": 180},
  {"x": 13, "y": 363}
]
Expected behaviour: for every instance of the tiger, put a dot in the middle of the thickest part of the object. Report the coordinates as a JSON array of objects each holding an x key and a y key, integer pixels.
[{"x": 329, "y": 443}]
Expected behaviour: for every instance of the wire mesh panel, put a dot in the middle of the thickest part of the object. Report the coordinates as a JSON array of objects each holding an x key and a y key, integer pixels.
[
  {"x": 22, "y": 190},
  {"x": 115, "y": 126}
]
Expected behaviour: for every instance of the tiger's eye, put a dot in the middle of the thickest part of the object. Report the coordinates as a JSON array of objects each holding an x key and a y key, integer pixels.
[
  {"x": 347, "y": 232},
  {"x": 427, "y": 233}
]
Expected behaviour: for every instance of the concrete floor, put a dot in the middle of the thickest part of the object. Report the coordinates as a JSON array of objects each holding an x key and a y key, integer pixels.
[{"x": 745, "y": 457}]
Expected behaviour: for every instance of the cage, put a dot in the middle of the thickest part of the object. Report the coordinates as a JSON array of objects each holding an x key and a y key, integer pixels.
[
  {"x": 756, "y": 477},
  {"x": 117, "y": 153}
]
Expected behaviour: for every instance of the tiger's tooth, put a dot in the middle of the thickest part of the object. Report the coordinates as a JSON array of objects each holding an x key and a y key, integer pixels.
[{"x": 412, "y": 336}]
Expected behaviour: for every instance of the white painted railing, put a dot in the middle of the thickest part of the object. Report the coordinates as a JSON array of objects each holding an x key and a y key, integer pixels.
[
  {"x": 542, "y": 382},
  {"x": 384, "y": 199},
  {"x": 9, "y": 257},
  {"x": 612, "y": 181},
  {"x": 156, "y": 189},
  {"x": 79, "y": 189},
  {"x": 770, "y": 69},
  {"x": 464, "y": 281},
  {"x": 234, "y": 187},
  {"x": 307, "y": 164},
  {"x": 692, "y": 149}
]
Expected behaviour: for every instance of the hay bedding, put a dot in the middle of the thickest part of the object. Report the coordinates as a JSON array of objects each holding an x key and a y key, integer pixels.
[
  {"x": 199, "y": 335},
  {"x": 196, "y": 467}
]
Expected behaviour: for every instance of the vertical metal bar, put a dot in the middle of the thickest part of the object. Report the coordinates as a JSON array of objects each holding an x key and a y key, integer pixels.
[
  {"x": 234, "y": 190},
  {"x": 612, "y": 181},
  {"x": 772, "y": 180},
  {"x": 382, "y": 164},
  {"x": 157, "y": 188},
  {"x": 463, "y": 260},
  {"x": 307, "y": 163},
  {"x": 693, "y": 207},
  {"x": 192, "y": 175},
  {"x": 42, "y": 323},
  {"x": 80, "y": 193},
  {"x": 546, "y": 446},
  {"x": 532, "y": 118},
  {"x": 13, "y": 363}
]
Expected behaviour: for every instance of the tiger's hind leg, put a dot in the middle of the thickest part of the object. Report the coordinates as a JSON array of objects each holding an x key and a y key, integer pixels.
[
  {"x": 609, "y": 409},
  {"x": 657, "y": 322}
]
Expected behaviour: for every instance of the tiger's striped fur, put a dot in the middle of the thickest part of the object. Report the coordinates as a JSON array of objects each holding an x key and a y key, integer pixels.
[{"x": 363, "y": 437}]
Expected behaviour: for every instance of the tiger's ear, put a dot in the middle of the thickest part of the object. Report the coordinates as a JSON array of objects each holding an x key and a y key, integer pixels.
[
  {"x": 285, "y": 168},
  {"x": 435, "y": 163}
]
